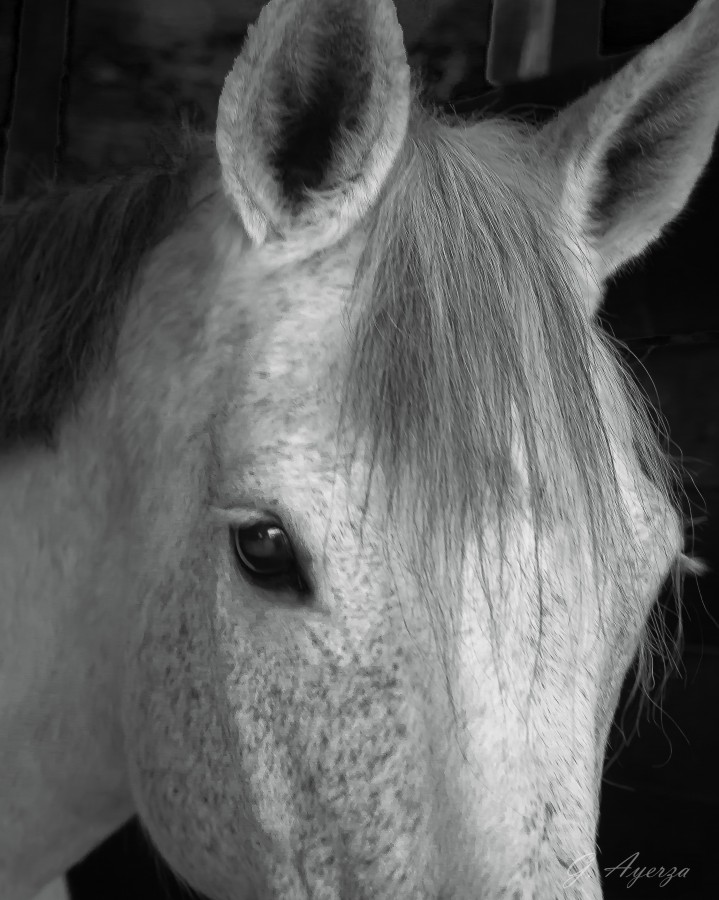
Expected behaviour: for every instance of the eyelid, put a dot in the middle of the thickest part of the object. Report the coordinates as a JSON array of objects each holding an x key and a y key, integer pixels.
[{"x": 241, "y": 515}]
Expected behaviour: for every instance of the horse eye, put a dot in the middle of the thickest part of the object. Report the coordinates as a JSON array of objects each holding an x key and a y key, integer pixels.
[{"x": 265, "y": 553}]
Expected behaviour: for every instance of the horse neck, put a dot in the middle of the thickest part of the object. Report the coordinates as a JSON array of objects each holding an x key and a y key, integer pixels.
[
  {"x": 70, "y": 513},
  {"x": 63, "y": 614},
  {"x": 72, "y": 521}
]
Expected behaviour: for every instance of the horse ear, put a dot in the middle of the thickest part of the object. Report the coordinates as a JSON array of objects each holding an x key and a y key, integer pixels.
[
  {"x": 312, "y": 117},
  {"x": 631, "y": 150}
]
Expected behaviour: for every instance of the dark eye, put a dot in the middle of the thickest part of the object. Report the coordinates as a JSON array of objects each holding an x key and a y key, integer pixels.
[{"x": 265, "y": 553}]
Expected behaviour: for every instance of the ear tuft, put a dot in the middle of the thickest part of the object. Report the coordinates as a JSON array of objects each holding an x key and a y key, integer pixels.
[{"x": 312, "y": 117}]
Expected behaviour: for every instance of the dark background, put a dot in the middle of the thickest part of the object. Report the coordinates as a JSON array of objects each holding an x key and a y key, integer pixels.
[{"x": 123, "y": 66}]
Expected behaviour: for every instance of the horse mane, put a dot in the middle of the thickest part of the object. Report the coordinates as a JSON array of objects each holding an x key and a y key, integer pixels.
[
  {"x": 471, "y": 342},
  {"x": 472, "y": 345},
  {"x": 68, "y": 257}
]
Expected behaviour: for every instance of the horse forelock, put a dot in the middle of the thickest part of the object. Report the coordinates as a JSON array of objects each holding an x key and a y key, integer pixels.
[{"x": 472, "y": 343}]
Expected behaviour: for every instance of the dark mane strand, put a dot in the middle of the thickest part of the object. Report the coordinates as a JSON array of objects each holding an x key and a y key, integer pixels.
[{"x": 67, "y": 262}]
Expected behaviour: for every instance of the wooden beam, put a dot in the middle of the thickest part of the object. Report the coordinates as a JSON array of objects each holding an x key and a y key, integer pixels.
[
  {"x": 520, "y": 42},
  {"x": 10, "y": 15},
  {"x": 35, "y": 130}
]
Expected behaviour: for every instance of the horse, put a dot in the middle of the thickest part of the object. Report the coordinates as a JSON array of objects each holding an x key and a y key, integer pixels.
[{"x": 332, "y": 520}]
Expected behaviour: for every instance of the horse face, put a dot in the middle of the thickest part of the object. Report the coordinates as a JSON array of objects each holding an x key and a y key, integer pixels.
[{"x": 383, "y": 632}]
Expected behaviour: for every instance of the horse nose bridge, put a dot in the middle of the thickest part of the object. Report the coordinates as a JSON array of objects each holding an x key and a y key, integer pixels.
[
  {"x": 524, "y": 812},
  {"x": 564, "y": 882},
  {"x": 541, "y": 852}
]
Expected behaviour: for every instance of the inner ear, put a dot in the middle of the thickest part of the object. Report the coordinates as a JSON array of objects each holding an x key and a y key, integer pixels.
[
  {"x": 648, "y": 142},
  {"x": 312, "y": 117},
  {"x": 322, "y": 107}
]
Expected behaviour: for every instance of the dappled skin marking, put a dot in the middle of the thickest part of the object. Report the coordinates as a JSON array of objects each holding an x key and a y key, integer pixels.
[{"x": 383, "y": 350}]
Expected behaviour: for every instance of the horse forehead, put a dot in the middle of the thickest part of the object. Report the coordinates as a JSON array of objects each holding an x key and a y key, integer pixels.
[
  {"x": 291, "y": 300},
  {"x": 294, "y": 344}
]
